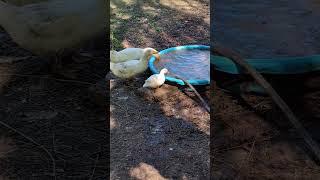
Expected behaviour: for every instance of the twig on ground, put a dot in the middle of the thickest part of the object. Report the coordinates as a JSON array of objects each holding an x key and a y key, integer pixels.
[
  {"x": 241, "y": 145},
  {"x": 55, "y": 79},
  {"x": 34, "y": 142},
  {"x": 11, "y": 60},
  {"x": 95, "y": 165},
  {"x": 247, "y": 158},
  {"x": 195, "y": 91}
]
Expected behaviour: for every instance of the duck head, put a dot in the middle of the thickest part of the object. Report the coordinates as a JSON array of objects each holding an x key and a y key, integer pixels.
[{"x": 148, "y": 52}]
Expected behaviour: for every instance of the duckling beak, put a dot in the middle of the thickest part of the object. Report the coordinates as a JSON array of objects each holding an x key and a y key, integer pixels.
[{"x": 155, "y": 52}]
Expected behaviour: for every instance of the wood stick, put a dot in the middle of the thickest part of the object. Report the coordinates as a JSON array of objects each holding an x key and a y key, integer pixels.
[
  {"x": 273, "y": 94},
  {"x": 195, "y": 91}
]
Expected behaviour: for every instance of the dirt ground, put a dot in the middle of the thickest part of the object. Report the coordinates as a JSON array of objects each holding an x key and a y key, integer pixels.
[
  {"x": 251, "y": 139},
  {"x": 162, "y": 133},
  {"x": 53, "y": 115}
]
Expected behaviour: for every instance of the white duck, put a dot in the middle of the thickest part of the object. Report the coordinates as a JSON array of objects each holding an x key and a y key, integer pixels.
[
  {"x": 156, "y": 80},
  {"x": 126, "y": 54},
  {"x": 22, "y": 2},
  {"x": 53, "y": 26},
  {"x": 131, "y": 68}
]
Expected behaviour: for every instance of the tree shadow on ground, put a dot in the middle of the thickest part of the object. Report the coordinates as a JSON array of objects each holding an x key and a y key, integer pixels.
[
  {"x": 255, "y": 140},
  {"x": 144, "y": 132},
  {"x": 159, "y": 131},
  {"x": 60, "y": 116},
  {"x": 153, "y": 24}
]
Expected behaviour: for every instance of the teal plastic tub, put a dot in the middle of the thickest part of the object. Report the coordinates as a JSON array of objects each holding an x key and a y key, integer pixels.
[
  {"x": 281, "y": 65},
  {"x": 155, "y": 70}
]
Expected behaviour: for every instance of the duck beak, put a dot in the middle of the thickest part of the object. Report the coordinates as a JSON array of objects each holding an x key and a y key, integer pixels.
[
  {"x": 155, "y": 52},
  {"x": 157, "y": 56}
]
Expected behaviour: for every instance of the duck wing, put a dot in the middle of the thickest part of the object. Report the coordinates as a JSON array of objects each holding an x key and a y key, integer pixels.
[
  {"x": 61, "y": 17},
  {"x": 126, "y": 69},
  {"x": 57, "y": 23},
  {"x": 153, "y": 78},
  {"x": 22, "y": 2},
  {"x": 126, "y": 55},
  {"x": 130, "y": 54}
]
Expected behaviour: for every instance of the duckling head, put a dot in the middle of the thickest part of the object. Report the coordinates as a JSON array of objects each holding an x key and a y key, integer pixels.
[{"x": 164, "y": 71}]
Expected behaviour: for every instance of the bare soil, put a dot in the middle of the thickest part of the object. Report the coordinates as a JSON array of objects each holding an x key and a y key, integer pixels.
[
  {"x": 55, "y": 112},
  {"x": 251, "y": 137},
  {"x": 162, "y": 133}
]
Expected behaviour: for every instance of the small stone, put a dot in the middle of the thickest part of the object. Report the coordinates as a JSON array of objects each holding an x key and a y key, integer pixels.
[
  {"x": 41, "y": 115},
  {"x": 123, "y": 98}
]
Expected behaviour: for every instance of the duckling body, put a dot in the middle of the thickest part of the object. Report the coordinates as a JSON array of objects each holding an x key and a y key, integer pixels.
[
  {"x": 126, "y": 54},
  {"x": 156, "y": 80},
  {"x": 53, "y": 26},
  {"x": 131, "y": 68}
]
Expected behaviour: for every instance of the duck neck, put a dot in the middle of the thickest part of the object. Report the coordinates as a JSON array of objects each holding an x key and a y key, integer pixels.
[
  {"x": 7, "y": 12},
  {"x": 162, "y": 72},
  {"x": 113, "y": 54},
  {"x": 145, "y": 58}
]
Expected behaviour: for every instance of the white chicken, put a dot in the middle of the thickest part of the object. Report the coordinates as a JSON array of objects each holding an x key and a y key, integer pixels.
[
  {"x": 52, "y": 27},
  {"x": 156, "y": 80},
  {"x": 125, "y": 55},
  {"x": 131, "y": 68}
]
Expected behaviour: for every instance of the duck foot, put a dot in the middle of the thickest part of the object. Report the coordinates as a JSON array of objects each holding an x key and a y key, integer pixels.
[{"x": 128, "y": 82}]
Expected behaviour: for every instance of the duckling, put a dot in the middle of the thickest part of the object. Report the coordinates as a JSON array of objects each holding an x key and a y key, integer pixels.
[
  {"x": 156, "y": 80},
  {"x": 126, "y": 54},
  {"x": 131, "y": 68},
  {"x": 53, "y": 27}
]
